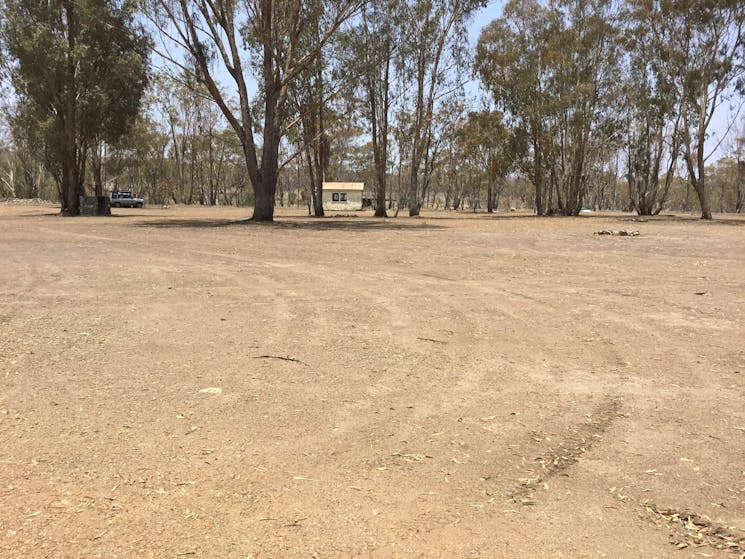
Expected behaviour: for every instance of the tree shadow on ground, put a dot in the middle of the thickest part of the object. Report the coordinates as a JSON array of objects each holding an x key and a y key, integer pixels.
[
  {"x": 429, "y": 222},
  {"x": 192, "y": 223},
  {"x": 728, "y": 219},
  {"x": 347, "y": 223},
  {"x": 301, "y": 223}
]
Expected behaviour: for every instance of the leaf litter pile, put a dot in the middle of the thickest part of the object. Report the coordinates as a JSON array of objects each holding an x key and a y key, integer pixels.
[{"x": 699, "y": 530}]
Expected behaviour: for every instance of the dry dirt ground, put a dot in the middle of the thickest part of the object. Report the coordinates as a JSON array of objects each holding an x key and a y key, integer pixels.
[{"x": 181, "y": 383}]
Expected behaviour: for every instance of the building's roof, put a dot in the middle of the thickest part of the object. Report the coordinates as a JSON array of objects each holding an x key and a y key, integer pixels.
[{"x": 343, "y": 185}]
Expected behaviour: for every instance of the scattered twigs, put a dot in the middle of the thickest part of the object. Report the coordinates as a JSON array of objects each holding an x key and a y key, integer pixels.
[{"x": 699, "y": 529}]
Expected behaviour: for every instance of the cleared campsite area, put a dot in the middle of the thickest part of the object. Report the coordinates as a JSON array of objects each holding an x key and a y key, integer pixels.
[{"x": 182, "y": 383}]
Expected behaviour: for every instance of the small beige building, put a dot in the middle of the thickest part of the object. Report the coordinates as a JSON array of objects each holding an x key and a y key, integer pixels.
[{"x": 342, "y": 195}]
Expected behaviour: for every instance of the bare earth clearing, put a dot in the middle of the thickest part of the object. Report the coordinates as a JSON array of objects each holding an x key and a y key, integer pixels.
[{"x": 453, "y": 386}]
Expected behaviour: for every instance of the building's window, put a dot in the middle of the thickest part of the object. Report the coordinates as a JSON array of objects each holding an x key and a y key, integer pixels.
[
  {"x": 335, "y": 197},
  {"x": 342, "y": 196}
]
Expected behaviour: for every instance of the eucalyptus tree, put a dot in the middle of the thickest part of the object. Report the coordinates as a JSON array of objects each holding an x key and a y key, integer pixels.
[
  {"x": 267, "y": 37},
  {"x": 140, "y": 161},
  {"x": 453, "y": 170},
  {"x": 513, "y": 60},
  {"x": 496, "y": 147},
  {"x": 23, "y": 171},
  {"x": 651, "y": 109},
  {"x": 553, "y": 70},
  {"x": 452, "y": 174},
  {"x": 740, "y": 187},
  {"x": 309, "y": 99},
  {"x": 430, "y": 58},
  {"x": 723, "y": 178},
  {"x": 370, "y": 50},
  {"x": 401, "y": 130},
  {"x": 447, "y": 122},
  {"x": 312, "y": 140},
  {"x": 708, "y": 40},
  {"x": 738, "y": 154},
  {"x": 585, "y": 74},
  {"x": 8, "y": 164},
  {"x": 183, "y": 109},
  {"x": 79, "y": 69}
]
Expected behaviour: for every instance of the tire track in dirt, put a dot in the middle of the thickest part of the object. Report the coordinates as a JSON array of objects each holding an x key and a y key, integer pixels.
[
  {"x": 564, "y": 453},
  {"x": 416, "y": 346}
]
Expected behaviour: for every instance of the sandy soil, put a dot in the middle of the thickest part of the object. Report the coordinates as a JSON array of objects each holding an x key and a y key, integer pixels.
[{"x": 181, "y": 383}]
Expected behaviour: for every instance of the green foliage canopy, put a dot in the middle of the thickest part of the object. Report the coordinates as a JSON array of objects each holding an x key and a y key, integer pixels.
[{"x": 79, "y": 68}]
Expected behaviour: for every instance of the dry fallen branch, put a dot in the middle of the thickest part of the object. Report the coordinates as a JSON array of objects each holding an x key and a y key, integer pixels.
[
  {"x": 622, "y": 233},
  {"x": 290, "y": 359},
  {"x": 434, "y": 341}
]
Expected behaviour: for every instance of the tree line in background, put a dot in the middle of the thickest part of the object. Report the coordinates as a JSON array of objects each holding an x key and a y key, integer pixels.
[{"x": 582, "y": 103}]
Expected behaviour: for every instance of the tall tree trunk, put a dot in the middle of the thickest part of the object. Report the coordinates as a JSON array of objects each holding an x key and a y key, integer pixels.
[
  {"x": 103, "y": 205},
  {"x": 696, "y": 163},
  {"x": 740, "y": 186},
  {"x": 703, "y": 197},
  {"x": 69, "y": 187},
  {"x": 379, "y": 120},
  {"x": 265, "y": 188},
  {"x": 322, "y": 151},
  {"x": 489, "y": 194},
  {"x": 70, "y": 182},
  {"x": 700, "y": 183},
  {"x": 538, "y": 174},
  {"x": 318, "y": 210},
  {"x": 264, "y": 194},
  {"x": 316, "y": 178}
]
